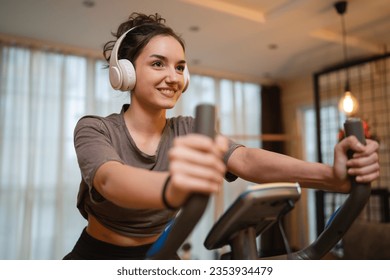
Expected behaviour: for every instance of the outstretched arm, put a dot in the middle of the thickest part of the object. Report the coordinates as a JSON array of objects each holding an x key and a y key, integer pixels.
[{"x": 261, "y": 166}]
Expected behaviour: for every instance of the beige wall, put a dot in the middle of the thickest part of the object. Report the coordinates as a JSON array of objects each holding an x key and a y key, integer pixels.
[{"x": 295, "y": 94}]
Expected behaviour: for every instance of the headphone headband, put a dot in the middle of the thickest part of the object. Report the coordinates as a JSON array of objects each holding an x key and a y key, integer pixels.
[{"x": 121, "y": 72}]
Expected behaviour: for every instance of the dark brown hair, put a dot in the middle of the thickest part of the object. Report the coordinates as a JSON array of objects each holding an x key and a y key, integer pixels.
[{"x": 146, "y": 27}]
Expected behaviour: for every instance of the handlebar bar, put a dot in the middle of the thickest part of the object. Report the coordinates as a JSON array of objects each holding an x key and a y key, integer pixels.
[
  {"x": 348, "y": 212},
  {"x": 179, "y": 229}
]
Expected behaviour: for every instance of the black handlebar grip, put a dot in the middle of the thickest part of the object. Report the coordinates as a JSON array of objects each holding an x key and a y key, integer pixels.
[
  {"x": 353, "y": 126},
  {"x": 205, "y": 120},
  {"x": 193, "y": 209},
  {"x": 347, "y": 213}
]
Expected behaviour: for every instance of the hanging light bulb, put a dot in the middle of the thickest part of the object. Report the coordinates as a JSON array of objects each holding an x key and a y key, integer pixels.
[{"x": 348, "y": 103}]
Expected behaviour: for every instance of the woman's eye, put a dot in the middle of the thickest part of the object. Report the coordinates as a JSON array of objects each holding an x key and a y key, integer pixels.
[
  {"x": 180, "y": 68},
  {"x": 158, "y": 64}
]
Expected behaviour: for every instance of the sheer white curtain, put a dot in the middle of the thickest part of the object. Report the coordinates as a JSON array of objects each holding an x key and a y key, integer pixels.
[{"x": 42, "y": 95}]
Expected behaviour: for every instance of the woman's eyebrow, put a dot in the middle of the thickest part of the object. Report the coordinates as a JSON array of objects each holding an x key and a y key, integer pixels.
[
  {"x": 158, "y": 56},
  {"x": 165, "y": 58}
]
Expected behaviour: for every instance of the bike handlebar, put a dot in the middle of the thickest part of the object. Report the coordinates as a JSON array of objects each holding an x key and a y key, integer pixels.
[
  {"x": 180, "y": 228},
  {"x": 347, "y": 213}
]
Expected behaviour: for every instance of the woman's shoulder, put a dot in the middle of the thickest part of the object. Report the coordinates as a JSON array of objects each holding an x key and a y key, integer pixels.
[
  {"x": 92, "y": 120},
  {"x": 115, "y": 119},
  {"x": 101, "y": 123},
  {"x": 182, "y": 119}
]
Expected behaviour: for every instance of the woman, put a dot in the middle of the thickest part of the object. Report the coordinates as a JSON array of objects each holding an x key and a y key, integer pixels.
[{"x": 138, "y": 167}]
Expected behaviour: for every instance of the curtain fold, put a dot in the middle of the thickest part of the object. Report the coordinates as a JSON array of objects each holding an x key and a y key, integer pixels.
[{"x": 37, "y": 153}]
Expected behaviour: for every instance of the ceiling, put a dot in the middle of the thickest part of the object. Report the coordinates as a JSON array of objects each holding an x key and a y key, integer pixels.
[{"x": 259, "y": 40}]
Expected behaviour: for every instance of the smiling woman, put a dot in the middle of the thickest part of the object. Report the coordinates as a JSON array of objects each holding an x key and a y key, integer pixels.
[
  {"x": 139, "y": 167},
  {"x": 37, "y": 196},
  {"x": 136, "y": 165},
  {"x": 125, "y": 216}
]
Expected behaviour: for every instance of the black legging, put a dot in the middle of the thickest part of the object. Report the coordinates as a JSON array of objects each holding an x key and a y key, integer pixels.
[{"x": 89, "y": 248}]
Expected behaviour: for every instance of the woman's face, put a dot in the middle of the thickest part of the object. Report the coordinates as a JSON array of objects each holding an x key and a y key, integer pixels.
[{"x": 160, "y": 73}]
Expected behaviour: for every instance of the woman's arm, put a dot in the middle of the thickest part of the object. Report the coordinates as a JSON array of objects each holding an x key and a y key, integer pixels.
[
  {"x": 196, "y": 165},
  {"x": 261, "y": 166},
  {"x": 128, "y": 186}
]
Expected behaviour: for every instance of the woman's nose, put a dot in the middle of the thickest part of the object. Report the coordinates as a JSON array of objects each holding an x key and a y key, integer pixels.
[{"x": 172, "y": 76}]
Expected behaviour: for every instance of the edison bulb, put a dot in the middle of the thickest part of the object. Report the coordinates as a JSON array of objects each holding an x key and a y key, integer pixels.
[{"x": 348, "y": 104}]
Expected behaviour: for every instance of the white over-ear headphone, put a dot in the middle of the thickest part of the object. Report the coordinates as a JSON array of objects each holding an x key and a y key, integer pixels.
[{"x": 122, "y": 72}]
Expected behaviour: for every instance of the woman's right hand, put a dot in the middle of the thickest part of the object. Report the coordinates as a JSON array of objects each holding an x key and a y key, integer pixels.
[
  {"x": 196, "y": 165},
  {"x": 364, "y": 164}
]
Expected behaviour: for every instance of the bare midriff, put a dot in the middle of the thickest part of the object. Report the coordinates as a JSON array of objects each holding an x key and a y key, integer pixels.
[{"x": 100, "y": 232}]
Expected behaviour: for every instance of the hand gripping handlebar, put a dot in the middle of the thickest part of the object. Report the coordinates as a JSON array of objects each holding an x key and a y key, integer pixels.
[
  {"x": 179, "y": 229},
  {"x": 347, "y": 213}
]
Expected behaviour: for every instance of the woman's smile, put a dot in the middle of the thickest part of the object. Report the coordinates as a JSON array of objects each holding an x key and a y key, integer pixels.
[{"x": 167, "y": 92}]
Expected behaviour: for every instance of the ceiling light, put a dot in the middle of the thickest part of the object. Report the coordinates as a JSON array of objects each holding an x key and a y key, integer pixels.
[
  {"x": 272, "y": 46},
  {"x": 194, "y": 28},
  {"x": 230, "y": 8},
  {"x": 88, "y": 3},
  {"x": 348, "y": 103}
]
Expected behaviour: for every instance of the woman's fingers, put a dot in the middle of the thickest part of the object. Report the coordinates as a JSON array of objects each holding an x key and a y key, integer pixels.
[
  {"x": 364, "y": 164},
  {"x": 196, "y": 165}
]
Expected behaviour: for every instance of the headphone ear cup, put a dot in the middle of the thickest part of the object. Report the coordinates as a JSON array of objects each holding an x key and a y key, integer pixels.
[
  {"x": 115, "y": 77},
  {"x": 128, "y": 78},
  {"x": 186, "y": 75}
]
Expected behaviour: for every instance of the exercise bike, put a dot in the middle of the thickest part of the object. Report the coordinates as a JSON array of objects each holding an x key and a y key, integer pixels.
[{"x": 257, "y": 209}]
